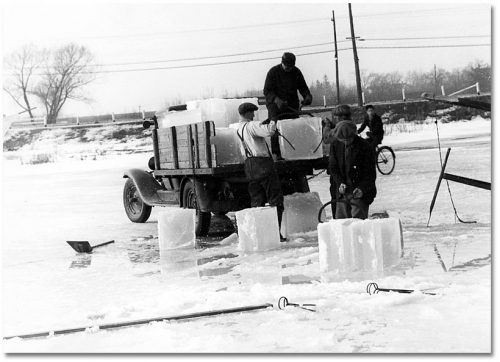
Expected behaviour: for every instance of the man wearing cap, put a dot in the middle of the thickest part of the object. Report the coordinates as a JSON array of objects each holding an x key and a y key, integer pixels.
[
  {"x": 264, "y": 184},
  {"x": 352, "y": 171},
  {"x": 340, "y": 113},
  {"x": 280, "y": 89},
  {"x": 375, "y": 125}
]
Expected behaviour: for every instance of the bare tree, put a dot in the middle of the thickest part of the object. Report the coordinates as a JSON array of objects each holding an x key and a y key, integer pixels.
[
  {"x": 21, "y": 66},
  {"x": 67, "y": 71}
]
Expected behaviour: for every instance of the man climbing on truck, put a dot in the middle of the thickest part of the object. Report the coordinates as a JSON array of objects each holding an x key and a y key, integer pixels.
[
  {"x": 264, "y": 184},
  {"x": 280, "y": 89}
]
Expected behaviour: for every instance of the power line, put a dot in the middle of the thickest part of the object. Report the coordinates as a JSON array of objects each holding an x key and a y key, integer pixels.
[
  {"x": 430, "y": 37},
  {"x": 219, "y": 56},
  {"x": 274, "y": 50},
  {"x": 274, "y": 58},
  {"x": 427, "y": 46}
]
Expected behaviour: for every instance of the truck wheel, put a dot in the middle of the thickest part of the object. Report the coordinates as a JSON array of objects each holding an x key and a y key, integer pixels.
[
  {"x": 202, "y": 218},
  {"x": 135, "y": 208}
]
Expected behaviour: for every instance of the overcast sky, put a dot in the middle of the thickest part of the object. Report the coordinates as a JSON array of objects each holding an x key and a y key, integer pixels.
[{"x": 147, "y": 32}]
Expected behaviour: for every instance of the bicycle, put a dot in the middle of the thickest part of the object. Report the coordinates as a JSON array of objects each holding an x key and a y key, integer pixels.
[{"x": 386, "y": 159}]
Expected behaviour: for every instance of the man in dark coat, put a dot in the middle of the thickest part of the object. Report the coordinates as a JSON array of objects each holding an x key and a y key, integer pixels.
[
  {"x": 374, "y": 123},
  {"x": 280, "y": 89},
  {"x": 352, "y": 168}
]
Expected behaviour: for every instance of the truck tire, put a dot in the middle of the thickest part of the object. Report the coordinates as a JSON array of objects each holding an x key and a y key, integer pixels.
[
  {"x": 202, "y": 218},
  {"x": 135, "y": 208}
]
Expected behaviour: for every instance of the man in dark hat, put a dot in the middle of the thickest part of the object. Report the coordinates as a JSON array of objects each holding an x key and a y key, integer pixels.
[
  {"x": 339, "y": 114},
  {"x": 375, "y": 125},
  {"x": 280, "y": 88},
  {"x": 264, "y": 184},
  {"x": 352, "y": 171}
]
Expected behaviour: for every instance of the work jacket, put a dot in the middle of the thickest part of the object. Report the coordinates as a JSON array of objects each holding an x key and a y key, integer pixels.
[
  {"x": 285, "y": 85},
  {"x": 375, "y": 125},
  {"x": 356, "y": 168}
]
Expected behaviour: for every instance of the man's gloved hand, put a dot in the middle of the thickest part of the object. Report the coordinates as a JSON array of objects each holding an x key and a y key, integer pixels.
[
  {"x": 280, "y": 103},
  {"x": 307, "y": 100},
  {"x": 342, "y": 189},
  {"x": 272, "y": 126},
  {"x": 357, "y": 193}
]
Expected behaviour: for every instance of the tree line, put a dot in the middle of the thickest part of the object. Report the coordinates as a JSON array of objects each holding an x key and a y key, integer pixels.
[
  {"x": 51, "y": 76},
  {"x": 379, "y": 87}
]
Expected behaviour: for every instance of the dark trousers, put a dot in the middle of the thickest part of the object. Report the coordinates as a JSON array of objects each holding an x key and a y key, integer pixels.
[
  {"x": 357, "y": 209},
  {"x": 267, "y": 190},
  {"x": 333, "y": 195}
]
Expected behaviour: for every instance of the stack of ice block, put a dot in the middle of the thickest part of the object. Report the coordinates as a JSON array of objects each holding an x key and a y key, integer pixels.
[
  {"x": 304, "y": 134},
  {"x": 176, "y": 228},
  {"x": 301, "y": 213},
  {"x": 179, "y": 118},
  {"x": 227, "y": 145},
  {"x": 351, "y": 245},
  {"x": 258, "y": 229},
  {"x": 221, "y": 111}
]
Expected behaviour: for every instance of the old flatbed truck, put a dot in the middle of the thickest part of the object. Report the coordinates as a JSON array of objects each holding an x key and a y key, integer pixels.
[{"x": 185, "y": 172}]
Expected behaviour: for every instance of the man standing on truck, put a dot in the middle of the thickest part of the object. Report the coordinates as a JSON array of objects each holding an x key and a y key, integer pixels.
[
  {"x": 264, "y": 183},
  {"x": 374, "y": 124},
  {"x": 280, "y": 89},
  {"x": 352, "y": 170}
]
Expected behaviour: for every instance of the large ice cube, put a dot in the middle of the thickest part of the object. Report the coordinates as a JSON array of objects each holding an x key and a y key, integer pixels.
[
  {"x": 228, "y": 148},
  {"x": 390, "y": 232},
  {"x": 301, "y": 213},
  {"x": 221, "y": 111},
  {"x": 176, "y": 228},
  {"x": 179, "y": 118},
  {"x": 304, "y": 134},
  {"x": 258, "y": 229},
  {"x": 350, "y": 245}
]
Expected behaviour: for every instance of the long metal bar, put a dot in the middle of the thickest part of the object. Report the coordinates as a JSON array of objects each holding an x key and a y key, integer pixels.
[
  {"x": 467, "y": 181},
  {"x": 145, "y": 321},
  {"x": 438, "y": 184}
]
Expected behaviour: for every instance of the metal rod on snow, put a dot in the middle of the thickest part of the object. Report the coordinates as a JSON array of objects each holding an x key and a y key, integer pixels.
[
  {"x": 145, "y": 321},
  {"x": 283, "y": 303},
  {"x": 372, "y": 288}
]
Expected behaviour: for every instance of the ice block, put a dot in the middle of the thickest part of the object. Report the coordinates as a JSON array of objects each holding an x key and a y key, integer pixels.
[
  {"x": 227, "y": 145},
  {"x": 176, "y": 228},
  {"x": 258, "y": 229},
  {"x": 179, "y": 118},
  {"x": 304, "y": 134},
  {"x": 301, "y": 213},
  {"x": 351, "y": 245}
]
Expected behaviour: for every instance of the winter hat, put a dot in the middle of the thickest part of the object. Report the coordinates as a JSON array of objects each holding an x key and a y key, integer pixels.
[
  {"x": 343, "y": 111},
  {"x": 345, "y": 130},
  {"x": 247, "y": 107},
  {"x": 288, "y": 59}
]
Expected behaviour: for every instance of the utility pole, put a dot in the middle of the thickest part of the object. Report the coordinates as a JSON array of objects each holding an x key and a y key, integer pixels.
[
  {"x": 356, "y": 60},
  {"x": 336, "y": 58}
]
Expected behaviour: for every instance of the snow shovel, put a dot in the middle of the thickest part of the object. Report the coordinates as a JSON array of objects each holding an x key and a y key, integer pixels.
[{"x": 84, "y": 246}]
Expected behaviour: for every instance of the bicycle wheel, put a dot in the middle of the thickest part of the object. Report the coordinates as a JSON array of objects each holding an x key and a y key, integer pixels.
[{"x": 386, "y": 160}]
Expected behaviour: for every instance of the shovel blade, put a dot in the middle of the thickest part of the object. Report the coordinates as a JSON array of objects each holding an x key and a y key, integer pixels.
[{"x": 80, "y": 246}]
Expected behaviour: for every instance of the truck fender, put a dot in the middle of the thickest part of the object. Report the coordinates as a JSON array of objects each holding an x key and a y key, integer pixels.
[{"x": 146, "y": 184}]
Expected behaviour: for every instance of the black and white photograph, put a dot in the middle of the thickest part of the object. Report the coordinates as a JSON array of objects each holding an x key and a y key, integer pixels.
[{"x": 247, "y": 178}]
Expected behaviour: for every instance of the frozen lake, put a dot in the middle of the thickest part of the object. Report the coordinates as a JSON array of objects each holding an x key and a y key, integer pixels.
[{"x": 47, "y": 286}]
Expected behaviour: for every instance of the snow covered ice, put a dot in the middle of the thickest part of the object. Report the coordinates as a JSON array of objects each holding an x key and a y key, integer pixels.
[
  {"x": 304, "y": 134},
  {"x": 258, "y": 229},
  {"x": 301, "y": 213},
  {"x": 352, "y": 245},
  {"x": 176, "y": 228}
]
